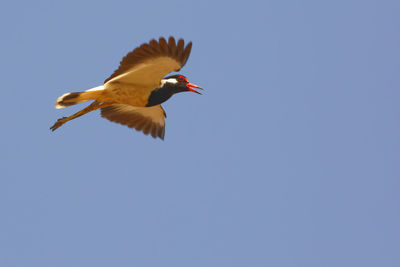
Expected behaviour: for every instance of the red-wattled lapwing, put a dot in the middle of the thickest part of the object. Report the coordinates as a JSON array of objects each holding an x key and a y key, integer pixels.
[{"x": 133, "y": 93}]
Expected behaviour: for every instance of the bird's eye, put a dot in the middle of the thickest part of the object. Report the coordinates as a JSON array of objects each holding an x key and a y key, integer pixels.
[{"x": 182, "y": 79}]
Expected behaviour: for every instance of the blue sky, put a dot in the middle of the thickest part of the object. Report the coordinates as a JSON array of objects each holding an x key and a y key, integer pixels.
[{"x": 290, "y": 158}]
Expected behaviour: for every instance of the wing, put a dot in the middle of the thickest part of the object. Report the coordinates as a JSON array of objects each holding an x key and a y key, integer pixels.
[
  {"x": 149, "y": 63},
  {"x": 145, "y": 119}
]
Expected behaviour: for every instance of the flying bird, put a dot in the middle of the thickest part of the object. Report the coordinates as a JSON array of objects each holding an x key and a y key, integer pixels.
[{"x": 133, "y": 94}]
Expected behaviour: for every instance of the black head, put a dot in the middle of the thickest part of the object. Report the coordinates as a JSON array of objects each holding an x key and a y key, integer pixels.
[
  {"x": 179, "y": 83},
  {"x": 170, "y": 85}
]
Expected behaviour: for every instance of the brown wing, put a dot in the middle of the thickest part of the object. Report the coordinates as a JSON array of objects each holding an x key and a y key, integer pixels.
[
  {"x": 150, "y": 62},
  {"x": 145, "y": 119}
]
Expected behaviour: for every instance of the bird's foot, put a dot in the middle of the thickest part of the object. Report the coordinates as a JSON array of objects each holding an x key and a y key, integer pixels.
[{"x": 58, "y": 123}]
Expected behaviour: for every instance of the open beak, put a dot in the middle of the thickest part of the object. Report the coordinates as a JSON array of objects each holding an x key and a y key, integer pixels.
[{"x": 191, "y": 86}]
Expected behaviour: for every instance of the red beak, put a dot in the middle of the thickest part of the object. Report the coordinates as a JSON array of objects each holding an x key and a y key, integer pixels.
[{"x": 190, "y": 87}]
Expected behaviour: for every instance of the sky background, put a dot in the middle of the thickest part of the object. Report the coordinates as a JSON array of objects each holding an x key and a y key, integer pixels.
[{"x": 290, "y": 158}]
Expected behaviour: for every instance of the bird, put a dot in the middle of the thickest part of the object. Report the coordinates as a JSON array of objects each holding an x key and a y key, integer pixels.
[{"x": 133, "y": 94}]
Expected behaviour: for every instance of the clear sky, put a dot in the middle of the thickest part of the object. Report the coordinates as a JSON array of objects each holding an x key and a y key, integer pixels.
[{"x": 290, "y": 158}]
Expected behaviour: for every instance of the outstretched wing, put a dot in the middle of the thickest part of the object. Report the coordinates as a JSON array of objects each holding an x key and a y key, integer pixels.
[
  {"x": 149, "y": 63},
  {"x": 145, "y": 119}
]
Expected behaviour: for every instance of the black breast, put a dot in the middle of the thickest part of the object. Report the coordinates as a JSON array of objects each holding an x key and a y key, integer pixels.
[{"x": 159, "y": 96}]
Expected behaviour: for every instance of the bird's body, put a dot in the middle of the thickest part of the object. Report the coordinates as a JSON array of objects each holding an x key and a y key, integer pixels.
[
  {"x": 133, "y": 93},
  {"x": 130, "y": 94}
]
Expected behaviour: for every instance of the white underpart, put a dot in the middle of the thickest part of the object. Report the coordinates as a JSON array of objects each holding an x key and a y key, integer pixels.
[
  {"x": 97, "y": 88},
  {"x": 170, "y": 80}
]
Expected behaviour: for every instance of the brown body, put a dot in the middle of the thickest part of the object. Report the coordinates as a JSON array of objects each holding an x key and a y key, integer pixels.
[{"x": 124, "y": 97}]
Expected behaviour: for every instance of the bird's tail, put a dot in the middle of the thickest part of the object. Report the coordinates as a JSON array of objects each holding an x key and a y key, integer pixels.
[{"x": 74, "y": 98}]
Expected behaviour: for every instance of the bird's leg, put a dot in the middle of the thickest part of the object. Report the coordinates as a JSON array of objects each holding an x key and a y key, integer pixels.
[{"x": 95, "y": 105}]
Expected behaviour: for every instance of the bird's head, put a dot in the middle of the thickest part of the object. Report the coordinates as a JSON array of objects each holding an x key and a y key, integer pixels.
[{"x": 179, "y": 83}]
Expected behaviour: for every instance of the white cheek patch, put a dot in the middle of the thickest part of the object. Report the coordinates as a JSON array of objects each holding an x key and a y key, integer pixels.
[{"x": 170, "y": 80}]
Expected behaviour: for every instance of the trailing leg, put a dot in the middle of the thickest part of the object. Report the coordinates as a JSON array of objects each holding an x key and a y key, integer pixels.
[{"x": 95, "y": 105}]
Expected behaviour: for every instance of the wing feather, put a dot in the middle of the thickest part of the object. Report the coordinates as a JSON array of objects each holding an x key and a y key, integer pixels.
[
  {"x": 163, "y": 46},
  {"x": 171, "y": 45},
  {"x": 150, "y": 62},
  {"x": 179, "y": 48},
  {"x": 186, "y": 53},
  {"x": 147, "y": 119}
]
